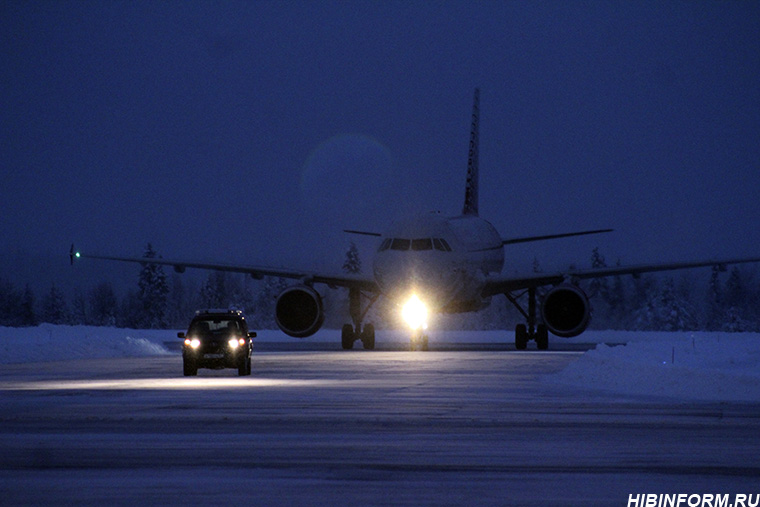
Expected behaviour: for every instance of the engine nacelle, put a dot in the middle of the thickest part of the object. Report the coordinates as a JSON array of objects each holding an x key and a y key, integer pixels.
[
  {"x": 566, "y": 311},
  {"x": 299, "y": 311}
]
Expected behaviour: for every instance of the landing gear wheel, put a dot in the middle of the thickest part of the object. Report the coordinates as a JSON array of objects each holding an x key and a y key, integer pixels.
[
  {"x": 542, "y": 337},
  {"x": 347, "y": 337},
  {"x": 521, "y": 337},
  {"x": 368, "y": 337},
  {"x": 189, "y": 368},
  {"x": 418, "y": 339}
]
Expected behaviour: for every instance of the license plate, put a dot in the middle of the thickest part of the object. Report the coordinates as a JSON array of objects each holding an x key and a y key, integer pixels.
[{"x": 213, "y": 356}]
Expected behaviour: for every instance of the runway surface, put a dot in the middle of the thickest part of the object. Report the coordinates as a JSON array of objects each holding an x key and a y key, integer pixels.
[{"x": 469, "y": 427}]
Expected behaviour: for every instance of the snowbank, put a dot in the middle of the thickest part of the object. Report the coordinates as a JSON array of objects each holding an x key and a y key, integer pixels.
[
  {"x": 48, "y": 342},
  {"x": 689, "y": 366}
]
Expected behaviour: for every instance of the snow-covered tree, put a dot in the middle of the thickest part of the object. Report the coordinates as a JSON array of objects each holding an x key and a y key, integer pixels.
[
  {"x": 27, "y": 316},
  {"x": 153, "y": 292},
  {"x": 598, "y": 286},
  {"x": 79, "y": 313},
  {"x": 103, "y": 305},
  {"x": 261, "y": 314},
  {"x": 352, "y": 264},
  {"x": 667, "y": 310},
  {"x": 54, "y": 307}
]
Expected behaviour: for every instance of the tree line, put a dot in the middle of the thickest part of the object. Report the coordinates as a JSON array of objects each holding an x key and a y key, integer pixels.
[{"x": 727, "y": 300}]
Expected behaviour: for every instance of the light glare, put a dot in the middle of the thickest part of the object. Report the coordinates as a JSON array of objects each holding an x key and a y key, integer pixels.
[{"x": 415, "y": 313}]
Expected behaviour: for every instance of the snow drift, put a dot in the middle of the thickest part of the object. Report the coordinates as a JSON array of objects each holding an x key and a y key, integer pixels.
[
  {"x": 49, "y": 342},
  {"x": 689, "y": 366}
]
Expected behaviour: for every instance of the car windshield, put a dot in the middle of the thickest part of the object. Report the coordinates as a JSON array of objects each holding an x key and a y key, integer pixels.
[{"x": 207, "y": 326}]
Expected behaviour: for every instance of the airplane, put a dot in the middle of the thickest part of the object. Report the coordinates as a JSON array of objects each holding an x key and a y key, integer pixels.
[{"x": 429, "y": 263}]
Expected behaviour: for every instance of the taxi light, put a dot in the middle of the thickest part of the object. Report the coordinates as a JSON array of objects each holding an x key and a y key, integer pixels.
[{"x": 415, "y": 313}]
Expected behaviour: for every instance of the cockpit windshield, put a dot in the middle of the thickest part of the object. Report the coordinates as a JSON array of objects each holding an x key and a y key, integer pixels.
[
  {"x": 417, "y": 244},
  {"x": 422, "y": 244}
]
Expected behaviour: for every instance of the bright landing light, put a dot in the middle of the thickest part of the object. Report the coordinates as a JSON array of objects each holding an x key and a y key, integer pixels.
[{"x": 415, "y": 313}]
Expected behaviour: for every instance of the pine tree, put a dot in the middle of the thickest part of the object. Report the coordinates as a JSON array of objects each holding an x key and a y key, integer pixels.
[
  {"x": 262, "y": 313},
  {"x": 666, "y": 310},
  {"x": 54, "y": 307},
  {"x": 352, "y": 264},
  {"x": 153, "y": 292},
  {"x": 214, "y": 291},
  {"x": 735, "y": 307},
  {"x": 9, "y": 303},
  {"x": 103, "y": 305},
  {"x": 79, "y": 313},
  {"x": 28, "y": 317},
  {"x": 714, "y": 301}
]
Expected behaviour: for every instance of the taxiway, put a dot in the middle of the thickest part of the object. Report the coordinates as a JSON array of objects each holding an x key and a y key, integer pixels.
[{"x": 357, "y": 427}]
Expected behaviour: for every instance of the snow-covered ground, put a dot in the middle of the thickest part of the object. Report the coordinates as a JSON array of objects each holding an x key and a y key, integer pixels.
[{"x": 690, "y": 366}]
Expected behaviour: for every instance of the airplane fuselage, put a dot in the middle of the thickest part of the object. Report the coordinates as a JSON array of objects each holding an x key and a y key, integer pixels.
[{"x": 442, "y": 260}]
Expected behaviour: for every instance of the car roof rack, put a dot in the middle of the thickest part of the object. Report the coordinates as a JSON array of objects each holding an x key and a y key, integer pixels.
[{"x": 230, "y": 311}]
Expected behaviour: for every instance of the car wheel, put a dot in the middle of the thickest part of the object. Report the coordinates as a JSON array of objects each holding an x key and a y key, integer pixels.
[{"x": 189, "y": 368}]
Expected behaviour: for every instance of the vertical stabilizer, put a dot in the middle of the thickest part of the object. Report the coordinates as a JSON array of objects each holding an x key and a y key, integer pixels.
[{"x": 471, "y": 190}]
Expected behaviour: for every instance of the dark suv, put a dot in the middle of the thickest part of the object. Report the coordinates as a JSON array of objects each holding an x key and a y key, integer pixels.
[{"x": 217, "y": 339}]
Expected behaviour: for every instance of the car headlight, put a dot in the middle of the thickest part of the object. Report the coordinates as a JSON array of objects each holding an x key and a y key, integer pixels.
[
  {"x": 415, "y": 313},
  {"x": 236, "y": 342},
  {"x": 193, "y": 342}
]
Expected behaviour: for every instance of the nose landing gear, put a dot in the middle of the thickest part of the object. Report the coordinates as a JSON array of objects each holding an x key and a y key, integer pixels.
[{"x": 419, "y": 340}]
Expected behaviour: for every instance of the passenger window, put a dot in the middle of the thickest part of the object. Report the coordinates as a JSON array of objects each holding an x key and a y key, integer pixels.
[
  {"x": 400, "y": 244},
  {"x": 441, "y": 244},
  {"x": 422, "y": 244},
  {"x": 385, "y": 245}
]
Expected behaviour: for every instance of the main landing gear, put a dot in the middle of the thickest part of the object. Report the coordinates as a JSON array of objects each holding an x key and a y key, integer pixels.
[
  {"x": 530, "y": 331},
  {"x": 351, "y": 333}
]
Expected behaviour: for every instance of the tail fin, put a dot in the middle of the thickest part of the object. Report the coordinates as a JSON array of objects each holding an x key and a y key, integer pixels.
[{"x": 471, "y": 190}]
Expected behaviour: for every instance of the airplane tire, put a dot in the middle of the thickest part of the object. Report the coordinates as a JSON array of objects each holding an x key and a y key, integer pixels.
[
  {"x": 368, "y": 337},
  {"x": 347, "y": 337},
  {"x": 521, "y": 337},
  {"x": 542, "y": 337}
]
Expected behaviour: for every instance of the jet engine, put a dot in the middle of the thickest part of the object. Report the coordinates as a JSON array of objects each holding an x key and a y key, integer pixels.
[
  {"x": 566, "y": 311},
  {"x": 299, "y": 311}
]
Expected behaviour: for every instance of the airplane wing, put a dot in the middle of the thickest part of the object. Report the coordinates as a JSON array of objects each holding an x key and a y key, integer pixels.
[
  {"x": 307, "y": 277},
  {"x": 500, "y": 284}
]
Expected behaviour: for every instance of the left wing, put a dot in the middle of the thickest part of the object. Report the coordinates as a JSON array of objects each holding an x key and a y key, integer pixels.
[
  {"x": 307, "y": 277},
  {"x": 500, "y": 284}
]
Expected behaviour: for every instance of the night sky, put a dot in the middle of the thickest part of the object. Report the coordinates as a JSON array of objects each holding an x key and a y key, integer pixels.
[{"x": 255, "y": 132}]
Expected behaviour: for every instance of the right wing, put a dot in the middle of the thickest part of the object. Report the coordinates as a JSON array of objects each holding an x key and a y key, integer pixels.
[
  {"x": 500, "y": 284},
  {"x": 307, "y": 277}
]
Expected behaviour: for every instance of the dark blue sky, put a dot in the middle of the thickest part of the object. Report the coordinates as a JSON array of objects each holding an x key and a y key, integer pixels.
[{"x": 255, "y": 131}]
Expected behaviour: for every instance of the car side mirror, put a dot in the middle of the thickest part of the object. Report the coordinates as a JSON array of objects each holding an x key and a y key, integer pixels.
[
  {"x": 180, "y": 335},
  {"x": 252, "y": 334}
]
